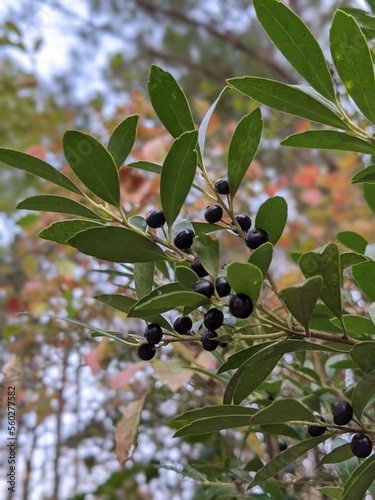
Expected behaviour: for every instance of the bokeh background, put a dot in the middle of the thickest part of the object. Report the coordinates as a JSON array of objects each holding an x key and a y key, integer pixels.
[{"x": 84, "y": 65}]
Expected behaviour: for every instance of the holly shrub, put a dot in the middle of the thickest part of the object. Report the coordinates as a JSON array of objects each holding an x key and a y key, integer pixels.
[{"x": 185, "y": 296}]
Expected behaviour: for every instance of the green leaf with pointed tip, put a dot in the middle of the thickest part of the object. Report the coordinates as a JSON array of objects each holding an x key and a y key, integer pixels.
[
  {"x": 204, "y": 124},
  {"x": 329, "y": 139},
  {"x": 363, "y": 355},
  {"x": 331, "y": 491},
  {"x": 361, "y": 479},
  {"x": 37, "y": 167},
  {"x": 207, "y": 250},
  {"x": 166, "y": 302},
  {"x": 363, "y": 392},
  {"x": 262, "y": 257},
  {"x": 122, "y": 139},
  {"x": 365, "y": 175},
  {"x": 353, "y": 241},
  {"x": 117, "y": 244},
  {"x": 247, "y": 379},
  {"x": 271, "y": 217},
  {"x": 147, "y": 166},
  {"x": 325, "y": 262},
  {"x": 245, "y": 278},
  {"x": 242, "y": 148},
  {"x": 285, "y": 458},
  {"x": 369, "y": 194},
  {"x": 212, "y": 424},
  {"x": 339, "y": 454},
  {"x": 240, "y": 357},
  {"x": 296, "y": 42},
  {"x": 169, "y": 102},
  {"x": 186, "y": 277},
  {"x": 301, "y": 299},
  {"x": 350, "y": 259},
  {"x": 287, "y": 99},
  {"x": 283, "y": 410},
  {"x": 58, "y": 204},
  {"x": 61, "y": 231},
  {"x": 352, "y": 58},
  {"x": 215, "y": 411},
  {"x": 124, "y": 304},
  {"x": 93, "y": 165},
  {"x": 177, "y": 175},
  {"x": 143, "y": 278},
  {"x": 364, "y": 277}
]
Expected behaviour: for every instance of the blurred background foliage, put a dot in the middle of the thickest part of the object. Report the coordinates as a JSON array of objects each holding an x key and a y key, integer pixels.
[{"x": 85, "y": 65}]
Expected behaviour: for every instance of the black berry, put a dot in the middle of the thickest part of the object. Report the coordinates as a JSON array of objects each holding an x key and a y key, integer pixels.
[
  {"x": 213, "y": 319},
  {"x": 153, "y": 333},
  {"x": 223, "y": 344},
  {"x": 316, "y": 430},
  {"x": 184, "y": 239},
  {"x": 146, "y": 351},
  {"x": 222, "y": 286},
  {"x": 182, "y": 325},
  {"x": 244, "y": 222},
  {"x": 255, "y": 237},
  {"x": 342, "y": 413},
  {"x": 240, "y": 305},
  {"x": 155, "y": 219},
  {"x": 196, "y": 266},
  {"x": 207, "y": 343},
  {"x": 222, "y": 186},
  {"x": 282, "y": 445},
  {"x": 361, "y": 445},
  {"x": 213, "y": 213},
  {"x": 204, "y": 287}
]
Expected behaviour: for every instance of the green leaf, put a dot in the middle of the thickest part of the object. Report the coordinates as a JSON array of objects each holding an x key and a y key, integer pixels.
[
  {"x": 247, "y": 379},
  {"x": 207, "y": 250},
  {"x": 169, "y": 102},
  {"x": 364, "y": 277},
  {"x": 93, "y": 165},
  {"x": 202, "y": 131},
  {"x": 177, "y": 175},
  {"x": 215, "y": 411},
  {"x": 363, "y": 355},
  {"x": 122, "y": 139},
  {"x": 325, "y": 262},
  {"x": 365, "y": 175},
  {"x": 349, "y": 259},
  {"x": 287, "y": 99},
  {"x": 353, "y": 241},
  {"x": 363, "y": 392},
  {"x": 362, "y": 478},
  {"x": 352, "y": 58},
  {"x": 245, "y": 278},
  {"x": 58, "y": 204},
  {"x": 262, "y": 257},
  {"x": 283, "y": 410},
  {"x": 143, "y": 278},
  {"x": 301, "y": 299},
  {"x": 117, "y": 244},
  {"x": 356, "y": 324},
  {"x": 259, "y": 352},
  {"x": 331, "y": 491},
  {"x": 147, "y": 166},
  {"x": 369, "y": 194},
  {"x": 242, "y": 148},
  {"x": 212, "y": 424},
  {"x": 124, "y": 304},
  {"x": 166, "y": 302},
  {"x": 61, "y": 231},
  {"x": 285, "y": 458},
  {"x": 186, "y": 277},
  {"x": 37, "y": 167},
  {"x": 329, "y": 139},
  {"x": 271, "y": 217},
  {"x": 296, "y": 42},
  {"x": 339, "y": 454}
]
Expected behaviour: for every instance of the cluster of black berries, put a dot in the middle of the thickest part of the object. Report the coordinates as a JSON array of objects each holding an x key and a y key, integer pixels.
[
  {"x": 153, "y": 334},
  {"x": 253, "y": 237},
  {"x": 360, "y": 444}
]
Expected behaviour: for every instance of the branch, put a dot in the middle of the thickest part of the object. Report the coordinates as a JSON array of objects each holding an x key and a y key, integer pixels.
[{"x": 226, "y": 36}]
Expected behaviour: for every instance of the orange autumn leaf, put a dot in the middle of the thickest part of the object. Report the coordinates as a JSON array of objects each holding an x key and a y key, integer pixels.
[{"x": 306, "y": 176}]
